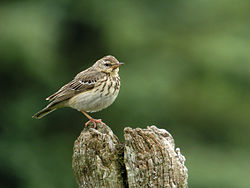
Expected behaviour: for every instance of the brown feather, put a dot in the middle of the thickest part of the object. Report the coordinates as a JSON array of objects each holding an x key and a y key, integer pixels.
[{"x": 82, "y": 82}]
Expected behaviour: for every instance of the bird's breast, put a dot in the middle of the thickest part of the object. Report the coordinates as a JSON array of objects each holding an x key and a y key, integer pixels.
[{"x": 101, "y": 96}]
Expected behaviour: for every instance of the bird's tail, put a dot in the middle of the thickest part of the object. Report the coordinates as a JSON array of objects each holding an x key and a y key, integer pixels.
[{"x": 44, "y": 112}]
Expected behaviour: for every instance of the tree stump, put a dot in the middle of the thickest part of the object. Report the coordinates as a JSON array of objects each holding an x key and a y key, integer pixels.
[{"x": 148, "y": 158}]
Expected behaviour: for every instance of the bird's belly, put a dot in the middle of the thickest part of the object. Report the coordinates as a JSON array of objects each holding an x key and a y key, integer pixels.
[{"x": 92, "y": 101}]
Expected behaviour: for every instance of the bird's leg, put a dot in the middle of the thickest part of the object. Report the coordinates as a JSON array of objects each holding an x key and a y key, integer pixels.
[{"x": 94, "y": 121}]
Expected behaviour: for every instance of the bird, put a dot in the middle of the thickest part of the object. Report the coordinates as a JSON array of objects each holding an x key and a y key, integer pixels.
[{"x": 91, "y": 90}]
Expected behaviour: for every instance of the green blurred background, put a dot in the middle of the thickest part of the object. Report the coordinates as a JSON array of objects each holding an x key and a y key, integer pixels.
[{"x": 187, "y": 71}]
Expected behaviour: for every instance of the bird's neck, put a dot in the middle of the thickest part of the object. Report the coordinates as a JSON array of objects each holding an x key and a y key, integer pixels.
[{"x": 115, "y": 72}]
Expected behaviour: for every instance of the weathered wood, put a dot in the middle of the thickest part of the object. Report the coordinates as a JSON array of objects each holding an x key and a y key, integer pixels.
[
  {"x": 147, "y": 159},
  {"x": 98, "y": 158},
  {"x": 151, "y": 159}
]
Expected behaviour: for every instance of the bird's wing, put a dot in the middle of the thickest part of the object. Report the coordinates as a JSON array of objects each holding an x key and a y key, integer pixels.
[{"x": 83, "y": 81}]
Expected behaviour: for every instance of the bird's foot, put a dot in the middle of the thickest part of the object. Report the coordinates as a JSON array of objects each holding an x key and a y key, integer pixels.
[{"x": 94, "y": 121}]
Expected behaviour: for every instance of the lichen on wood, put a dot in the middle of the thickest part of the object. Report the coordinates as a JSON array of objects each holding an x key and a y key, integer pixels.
[
  {"x": 151, "y": 159},
  {"x": 98, "y": 158},
  {"x": 148, "y": 158}
]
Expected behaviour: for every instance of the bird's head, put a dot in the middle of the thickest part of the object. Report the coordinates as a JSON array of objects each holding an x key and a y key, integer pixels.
[{"x": 108, "y": 64}]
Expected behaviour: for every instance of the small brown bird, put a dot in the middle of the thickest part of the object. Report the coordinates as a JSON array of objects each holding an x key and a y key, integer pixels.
[{"x": 91, "y": 90}]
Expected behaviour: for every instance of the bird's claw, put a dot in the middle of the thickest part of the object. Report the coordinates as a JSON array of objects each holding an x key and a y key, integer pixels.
[{"x": 94, "y": 121}]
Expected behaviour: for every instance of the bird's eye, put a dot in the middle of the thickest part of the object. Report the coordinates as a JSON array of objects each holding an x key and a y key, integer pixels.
[{"x": 107, "y": 64}]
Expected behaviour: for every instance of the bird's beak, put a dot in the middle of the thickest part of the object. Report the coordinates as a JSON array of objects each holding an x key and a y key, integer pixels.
[{"x": 119, "y": 64}]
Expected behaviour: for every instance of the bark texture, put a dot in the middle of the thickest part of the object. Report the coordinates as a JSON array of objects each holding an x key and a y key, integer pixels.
[
  {"x": 147, "y": 159},
  {"x": 151, "y": 159},
  {"x": 98, "y": 158}
]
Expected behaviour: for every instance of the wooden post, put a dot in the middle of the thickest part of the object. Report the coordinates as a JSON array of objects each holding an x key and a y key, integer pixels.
[{"x": 147, "y": 159}]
